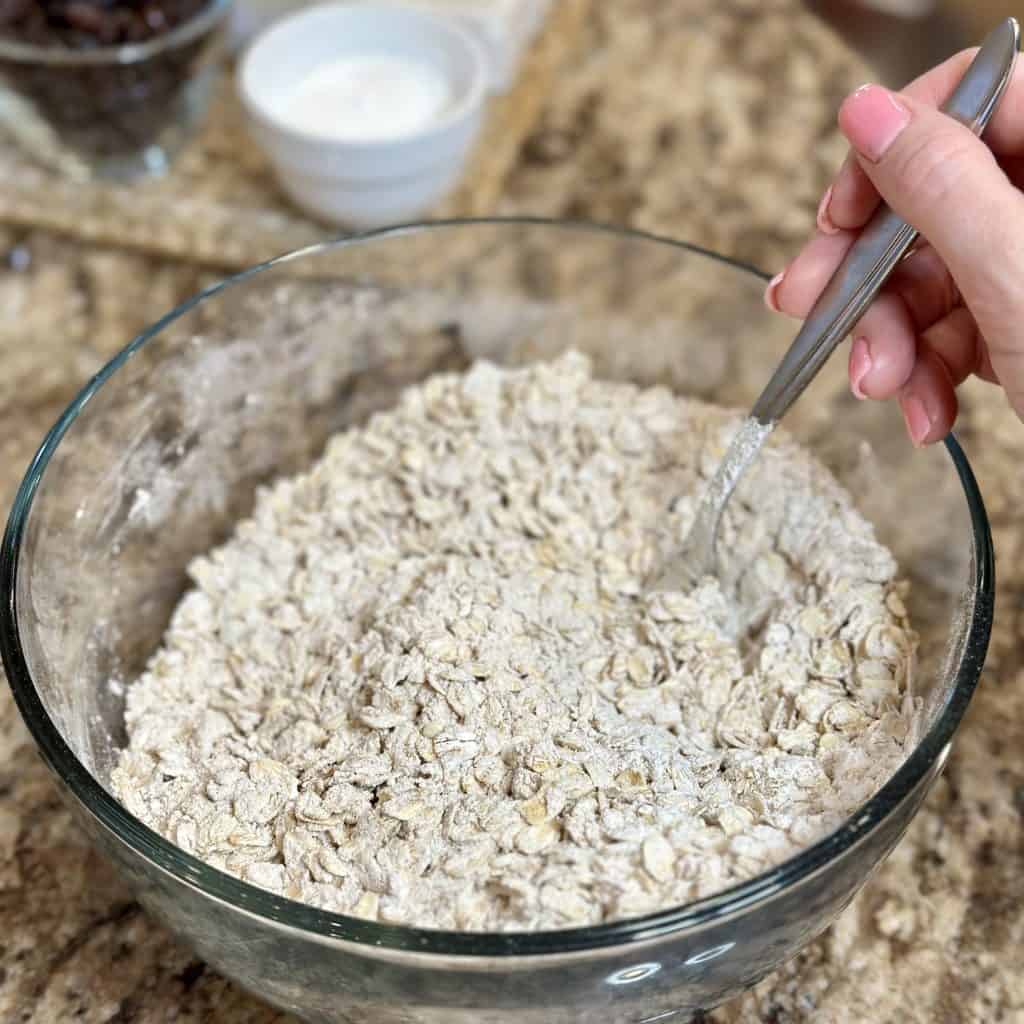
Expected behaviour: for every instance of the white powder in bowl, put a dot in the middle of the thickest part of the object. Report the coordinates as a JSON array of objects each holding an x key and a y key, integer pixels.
[
  {"x": 426, "y": 682},
  {"x": 368, "y": 98}
]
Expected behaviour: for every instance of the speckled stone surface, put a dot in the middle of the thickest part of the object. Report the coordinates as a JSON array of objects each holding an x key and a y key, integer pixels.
[{"x": 706, "y": 120}]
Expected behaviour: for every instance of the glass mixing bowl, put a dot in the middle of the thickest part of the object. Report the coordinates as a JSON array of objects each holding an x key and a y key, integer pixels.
[{"x": 161, "y": 452}]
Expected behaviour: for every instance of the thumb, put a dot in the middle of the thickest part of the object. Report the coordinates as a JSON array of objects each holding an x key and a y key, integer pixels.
[{"x": 939, "y": 177}]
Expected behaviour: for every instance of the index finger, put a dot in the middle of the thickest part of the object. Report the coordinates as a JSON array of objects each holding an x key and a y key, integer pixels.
[{"x": 852, "y": 198}]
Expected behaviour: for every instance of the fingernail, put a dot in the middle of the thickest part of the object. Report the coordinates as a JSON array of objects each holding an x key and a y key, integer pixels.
[
  {"x": 825, "y": 224},
  {"x": 860, "y": 366},
  {"x": 872, "y": 119},
  {"x": 771, "y": 291},
  {"x": 918, "y": 421}
]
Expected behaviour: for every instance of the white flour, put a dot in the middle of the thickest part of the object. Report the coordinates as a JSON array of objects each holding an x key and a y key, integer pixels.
[
  {"x": 368, "y": 98},
  {"x": 426, "y": 683}
]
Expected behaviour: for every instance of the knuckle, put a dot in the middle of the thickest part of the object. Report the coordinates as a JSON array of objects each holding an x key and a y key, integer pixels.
[{"x": 934, "y": 166}]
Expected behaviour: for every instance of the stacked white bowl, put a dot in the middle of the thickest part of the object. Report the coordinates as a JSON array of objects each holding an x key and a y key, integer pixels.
[{"x": 366, "y": 111}]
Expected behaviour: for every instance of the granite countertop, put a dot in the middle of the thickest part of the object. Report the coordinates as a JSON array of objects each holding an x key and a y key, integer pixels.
[{"x": 712, "y": 121}]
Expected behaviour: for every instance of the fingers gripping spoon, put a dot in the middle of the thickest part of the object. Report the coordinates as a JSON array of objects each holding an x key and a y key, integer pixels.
[{"x": 872, "y": 258}]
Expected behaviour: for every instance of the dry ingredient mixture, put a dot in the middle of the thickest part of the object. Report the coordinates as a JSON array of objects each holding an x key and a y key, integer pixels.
[{"x": 426, "y": 682}]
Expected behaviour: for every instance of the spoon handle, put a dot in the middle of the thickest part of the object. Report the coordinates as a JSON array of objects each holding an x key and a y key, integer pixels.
[{"x": 883, "y": 242}]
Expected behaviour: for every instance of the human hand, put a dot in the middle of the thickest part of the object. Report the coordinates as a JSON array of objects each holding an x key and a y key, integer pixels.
[{"x": 955, "y": 306}]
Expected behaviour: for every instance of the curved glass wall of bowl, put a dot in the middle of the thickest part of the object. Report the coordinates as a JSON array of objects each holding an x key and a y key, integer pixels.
[
  {"x": 162, "y": 454},
  {"x": 114, "y": 112}
]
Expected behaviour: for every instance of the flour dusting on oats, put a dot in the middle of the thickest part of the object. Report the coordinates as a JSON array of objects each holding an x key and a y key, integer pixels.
[{"x": 426, "y": 683}]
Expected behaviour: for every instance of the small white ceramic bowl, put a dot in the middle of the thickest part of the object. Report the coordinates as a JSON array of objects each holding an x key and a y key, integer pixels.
[{"x": 364, "y": 183}]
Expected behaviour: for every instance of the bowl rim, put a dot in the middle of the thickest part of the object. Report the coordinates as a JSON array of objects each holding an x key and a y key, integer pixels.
[
  {"x": 467, "y": 103},
  {"x": 322, "y": 925},
  {"x": 126, "y": 53}
]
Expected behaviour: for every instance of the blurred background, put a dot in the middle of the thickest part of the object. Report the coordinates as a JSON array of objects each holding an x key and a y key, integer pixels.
[{"x": 902, "y": 38}]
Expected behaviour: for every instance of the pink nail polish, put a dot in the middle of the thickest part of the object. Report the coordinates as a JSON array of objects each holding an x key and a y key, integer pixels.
[
  {"x": 918, "y": 421},
  {"x": 824, "y": 221},
  {"x": 872, "y": 119},
  {"x": 771, "y": 290},
  {"x": 860, "y": 366}
]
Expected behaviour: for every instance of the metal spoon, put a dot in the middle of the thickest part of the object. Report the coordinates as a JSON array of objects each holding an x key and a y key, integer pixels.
[{"x": 882, "y": 244}]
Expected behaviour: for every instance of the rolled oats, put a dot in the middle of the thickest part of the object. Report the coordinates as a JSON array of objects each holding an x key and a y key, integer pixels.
[{"x": 426, "y": 683}]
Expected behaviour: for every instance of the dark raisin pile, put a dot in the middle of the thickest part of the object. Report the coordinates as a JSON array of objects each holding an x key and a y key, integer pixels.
[
  {"x": 87, "y": 24},
  {"x": 111, "y": 111}
]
